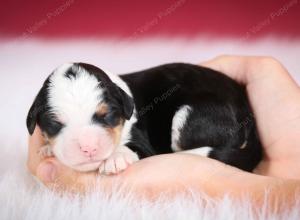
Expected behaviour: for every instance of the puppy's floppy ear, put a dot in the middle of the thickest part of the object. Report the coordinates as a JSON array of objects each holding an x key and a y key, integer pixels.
[
  {"x": 32, "y": 117},
  {"x": 126, "y": 102},
  {"x": 35, "y": 109}
]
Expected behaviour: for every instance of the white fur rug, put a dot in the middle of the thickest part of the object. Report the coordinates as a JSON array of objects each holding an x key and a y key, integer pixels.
[{"x": 24, "y": 66}]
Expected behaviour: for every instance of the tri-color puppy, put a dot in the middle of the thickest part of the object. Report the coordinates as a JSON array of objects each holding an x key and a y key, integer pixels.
[{"x": 92, "y": 119}]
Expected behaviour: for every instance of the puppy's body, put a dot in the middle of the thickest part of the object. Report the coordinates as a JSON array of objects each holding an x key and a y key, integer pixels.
[
  {"x": 183, "y": 107},
  {"x": 169, "y": 108}
]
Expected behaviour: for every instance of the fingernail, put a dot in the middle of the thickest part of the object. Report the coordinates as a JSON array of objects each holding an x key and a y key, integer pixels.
[{"x": 47, "y": 172}]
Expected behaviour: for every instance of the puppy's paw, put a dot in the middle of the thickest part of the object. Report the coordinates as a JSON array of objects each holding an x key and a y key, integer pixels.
[
  {"x": 118, "y": 161},
  {"x": 45, "y": 151}
]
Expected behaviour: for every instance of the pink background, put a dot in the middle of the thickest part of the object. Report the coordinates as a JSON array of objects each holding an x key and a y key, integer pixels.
[{"x": 92, "y": 18}]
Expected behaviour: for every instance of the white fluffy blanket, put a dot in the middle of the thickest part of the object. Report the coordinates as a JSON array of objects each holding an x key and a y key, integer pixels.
[{"x": 24, "y": 65}]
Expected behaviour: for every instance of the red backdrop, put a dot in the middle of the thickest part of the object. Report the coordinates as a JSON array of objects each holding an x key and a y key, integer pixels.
[{"x": 136, "y": 18}]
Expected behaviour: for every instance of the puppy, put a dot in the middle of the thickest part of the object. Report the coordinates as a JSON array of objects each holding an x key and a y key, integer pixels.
[{"x": 92, "y": 119}]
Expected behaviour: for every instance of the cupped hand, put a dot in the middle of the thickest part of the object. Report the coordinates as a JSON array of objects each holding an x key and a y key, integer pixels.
[{"x": 275, "y": 99}]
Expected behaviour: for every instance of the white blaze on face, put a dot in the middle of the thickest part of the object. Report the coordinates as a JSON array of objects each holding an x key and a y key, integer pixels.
[{"x": 81, "y": 144}]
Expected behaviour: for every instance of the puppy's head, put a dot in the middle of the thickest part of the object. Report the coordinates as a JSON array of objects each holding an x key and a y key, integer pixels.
[{"x": 81, "y": 113}]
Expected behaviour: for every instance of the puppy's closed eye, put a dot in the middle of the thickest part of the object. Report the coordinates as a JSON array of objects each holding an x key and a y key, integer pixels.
[
  {"x": 106, "y": 115},
  {"x": 110, "y": 118},
  {"x": 53, "y": 127}
]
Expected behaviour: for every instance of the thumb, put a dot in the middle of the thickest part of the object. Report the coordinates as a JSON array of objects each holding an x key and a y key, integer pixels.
[
  {"x": 58, "y": 177},
  {"x": 47, "y": 172}
]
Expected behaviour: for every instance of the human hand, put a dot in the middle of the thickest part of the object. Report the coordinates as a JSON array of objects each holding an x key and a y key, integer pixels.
[
  {"x": 275, "y": 100},
  {"x": 148, "y": 177}
]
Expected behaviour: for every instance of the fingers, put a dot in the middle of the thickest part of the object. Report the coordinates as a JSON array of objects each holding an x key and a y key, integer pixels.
[
  {"x": 35, "y": 142},
  {"x": 245, "y": 69},
  {"x": 233, "y": 66}
]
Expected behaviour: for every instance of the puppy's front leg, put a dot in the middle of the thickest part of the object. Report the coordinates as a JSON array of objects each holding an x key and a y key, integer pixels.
[{"x": 118, "y": 161}]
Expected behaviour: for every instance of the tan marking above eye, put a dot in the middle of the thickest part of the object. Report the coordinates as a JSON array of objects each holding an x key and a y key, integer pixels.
[{"x": 102, "y": 109}]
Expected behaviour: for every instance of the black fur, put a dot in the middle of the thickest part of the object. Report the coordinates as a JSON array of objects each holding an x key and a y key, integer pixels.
[
  {"x": 220, "y": 110},
  {"x": 221, "y": 116},
  {"x": 39, "y": 106},
  {"x": 40, "y": 113},
  {"x": 112, "y": 93},
  {"x": 121, "y": 105},
  {"x": 139, "y": 143}
]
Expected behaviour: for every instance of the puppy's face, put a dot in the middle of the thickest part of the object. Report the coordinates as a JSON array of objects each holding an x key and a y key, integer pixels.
[{"x": 81, "y": 113}]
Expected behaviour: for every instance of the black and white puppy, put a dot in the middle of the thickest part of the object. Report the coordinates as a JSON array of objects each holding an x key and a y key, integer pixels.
[{"x": 92, "y": 119}]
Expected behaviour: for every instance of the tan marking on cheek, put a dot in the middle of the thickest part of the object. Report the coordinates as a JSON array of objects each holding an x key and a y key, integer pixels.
[
  {"x": 102, "y": 109},
  {"x": 115, "y": 132}
]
